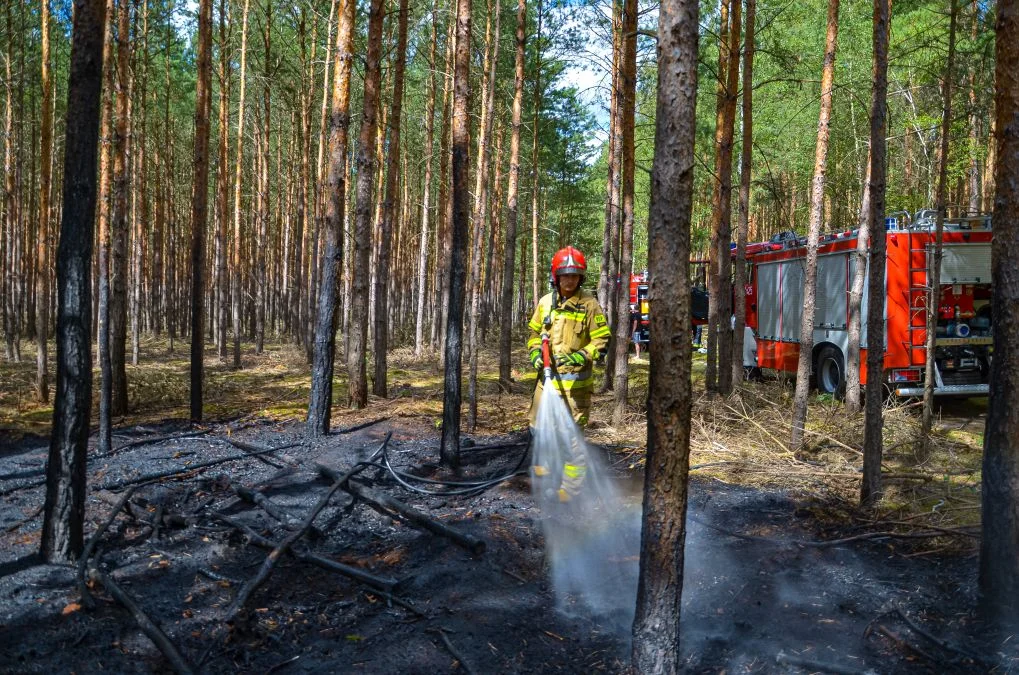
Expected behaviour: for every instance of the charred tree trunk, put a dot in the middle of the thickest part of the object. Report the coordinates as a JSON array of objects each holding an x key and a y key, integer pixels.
[
  {"x": 320, "y": 403},
  {"x": 449, "y": 447},
  {"x": 656, "y": 647},
  {"x": 512, "y": 205},
  {"x": 200, "y": 204},
  {"x": 357, "y": 374},
  {"x": 870, "y": 487},
  {"x": 999, "y": 549},
  {"x": 628, "y": 77},
  {"x": 390, "y": 209},
  {"x": 740, "y": 273},
  {"x": 805, "y": 363},
  {"x": 934, "y": 262},
  {"x": 42, "y": 278},
  {"x": 64, "y": 510}
]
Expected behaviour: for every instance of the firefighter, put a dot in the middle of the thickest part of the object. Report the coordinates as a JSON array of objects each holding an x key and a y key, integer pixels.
[{"x": 578, "y": 335}]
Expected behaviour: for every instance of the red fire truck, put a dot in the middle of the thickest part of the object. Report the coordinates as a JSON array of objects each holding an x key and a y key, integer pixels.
[
  {"x": 640, "y": 307},
  {"x": 963, "y": 344}
]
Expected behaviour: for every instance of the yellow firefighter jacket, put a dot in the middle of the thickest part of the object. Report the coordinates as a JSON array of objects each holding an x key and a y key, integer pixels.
[{"x": 578, "y": 324}]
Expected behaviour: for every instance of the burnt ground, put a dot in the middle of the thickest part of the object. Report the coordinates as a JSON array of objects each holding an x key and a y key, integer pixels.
[{"x": 759, "y": 596}]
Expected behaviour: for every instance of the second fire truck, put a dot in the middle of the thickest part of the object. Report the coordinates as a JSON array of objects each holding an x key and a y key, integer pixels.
[{"x": 963, "y": 343}]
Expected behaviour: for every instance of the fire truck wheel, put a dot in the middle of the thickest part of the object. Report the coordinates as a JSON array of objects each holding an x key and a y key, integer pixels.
[{"x": 830, "y": 372}]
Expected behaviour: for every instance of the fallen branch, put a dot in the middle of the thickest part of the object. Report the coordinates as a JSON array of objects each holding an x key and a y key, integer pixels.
[
  {"x": 90, "y": 547},
  {"x": 806, "y": 664},
  {"x": 149, "y": 441},
  {"x": 452, "y": 650},
  {"x": 376, "y": 582},
  {"x": 944, "y": 644},
  {"x": 391, "y": 505},
  {"x": 149, "y": 627},
  {"x": 358, "y": 427},
  {"x": 269, "y": 506},
  {"x": 254, "y": 450},
  {"x": 943, "y": 532},
  {"x": 172, "y": 473},
  {"x": 903, "y": 645},
  {"x": 270, "y": 561}
]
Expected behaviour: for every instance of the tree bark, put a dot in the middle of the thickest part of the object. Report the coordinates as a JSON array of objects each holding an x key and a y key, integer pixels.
[
  {"x": 320, "y": 403},
  {"x": 119, "y": 223},
  {"x": 200, "y": 203},
  {"x": 357, "y": 375},
  {"x": 870, "y": 486},
  {"x": 42, "y": 278},
  {"x": 743, "y": 225},
  {"x": 221, "y": 282},
  {"x": 934, "y": 262},
  {"x": 390, "y": 209},
  {"x": 806, "y": 357},
  {"x": 856, "y": 298},
  {"x": 104, "y": 441},
  {"x": 449, "y": 446},
  {"x": 237, "y": 276},
  {"x": 535, "y": 191},
  {"x": 419, "y": 324},
  {"x": 656, "y": 635},
  {"x": 64, "y": 510},
  {"x": 999, "y": 548},
  {"x": 628, "y": 77},
  {"x": 481, "y": 206},
  {"x": 512, "y": 205}
]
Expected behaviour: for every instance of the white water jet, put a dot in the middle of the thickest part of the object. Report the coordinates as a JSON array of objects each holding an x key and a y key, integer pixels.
[{"x": 592, "y": 541}]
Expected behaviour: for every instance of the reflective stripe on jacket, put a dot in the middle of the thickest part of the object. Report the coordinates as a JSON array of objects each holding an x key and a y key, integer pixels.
[{"x": 578, "y": 324}]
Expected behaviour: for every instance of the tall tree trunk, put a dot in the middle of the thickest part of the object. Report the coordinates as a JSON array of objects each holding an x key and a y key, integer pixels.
[
  {"x": 870, "y": 486},
  {"x": 856, "y": 298},
  {"x": 42, "y": 278},
  {"x": 237, "y": 276},
  {"x": 973, "y": 170},
  {"x": 805, "y": 363},
  {"x": 221, "y": 282},
  {"x": 999, "y": 547},
  {"x": 320, "y": 401},
  {"x": 419, "y": 325},
  {"x": 262, "y": 239},
  {"x": 934, "y": 262},
  {"x": 443, "y": 242},
  {"x": 119, "y": 224},
  {"x": 449, "y": 445},
  {"x": 512, "y": 205},
  {"x": 104, "y": 441},
  {"x": 10, "y": 195},
  {"x": 357, "y": 375},
  {"x": 725, "y": 341},
  {"x": 141, "y": 193},
  {"x": 200, "y": 203},
  {"x": 656, "y": 646},
  {"x": 64, "y": 509},
  {"x": 628, "y": 75},
  {"x": 714, "y": 275},
  {"x": 481, "y": 206},
  {"x": 743, "y": 225},
  {"x": 390, "y": 209},
  {"x": 610, "y": 295},
  {"x": 535, "y": 185}
]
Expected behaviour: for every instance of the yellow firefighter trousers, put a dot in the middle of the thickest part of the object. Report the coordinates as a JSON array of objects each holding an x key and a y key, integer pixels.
[{"x": 578, "y": 400}]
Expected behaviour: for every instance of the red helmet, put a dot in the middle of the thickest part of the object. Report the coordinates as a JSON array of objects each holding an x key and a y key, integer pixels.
[{"x": 568, "y": 260}]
